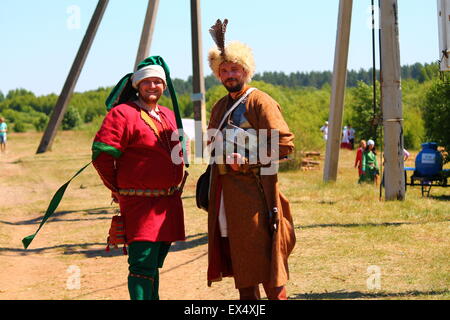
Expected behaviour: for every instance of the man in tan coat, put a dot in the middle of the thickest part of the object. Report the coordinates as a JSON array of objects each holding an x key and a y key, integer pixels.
[{"x": 250, "y": 227}]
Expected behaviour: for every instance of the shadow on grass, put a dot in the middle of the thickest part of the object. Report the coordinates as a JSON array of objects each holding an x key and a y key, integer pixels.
[
  {"x": 36, "y": 159},
  {"x": 324, "y": 202},
  {"x": 441, "y": 198},
  {"x": 56, "y": 215},
  {"x": 367, "y": 295},
  {"x": 68, "y": 249},
  {"x": 354, "y": 225},
  {"x": 124, "y": 284},
  {"x": 189, "y": 244},
  {"x": 83, "y": 248}
]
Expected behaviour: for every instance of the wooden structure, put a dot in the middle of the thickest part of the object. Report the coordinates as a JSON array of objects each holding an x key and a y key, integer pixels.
[
  {"x": 143, "y": 52},
  {"x": 444, "y": 34},
  {"x": 69, "y": 86},
  {"x": 391, "y": 102},
  {"x": 391, "y": 96},
  {"x": 338, "y": 84}
]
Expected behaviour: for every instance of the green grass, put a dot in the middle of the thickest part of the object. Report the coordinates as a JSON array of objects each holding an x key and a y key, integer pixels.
[{"x": 342, "y": 228}]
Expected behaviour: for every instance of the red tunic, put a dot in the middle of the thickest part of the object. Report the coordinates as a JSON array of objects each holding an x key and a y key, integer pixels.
[
  {"x": 358, "y": 160},
  {"x": 141, "y": 160}
]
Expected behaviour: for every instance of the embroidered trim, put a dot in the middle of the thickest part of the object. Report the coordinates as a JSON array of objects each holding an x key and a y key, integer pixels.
[{"x": 148, "y": 192}]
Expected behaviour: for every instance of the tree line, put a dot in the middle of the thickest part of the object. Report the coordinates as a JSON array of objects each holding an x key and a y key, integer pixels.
[
  {"x": 426, "y": 105},
  {"x": 317, "y": 79}
]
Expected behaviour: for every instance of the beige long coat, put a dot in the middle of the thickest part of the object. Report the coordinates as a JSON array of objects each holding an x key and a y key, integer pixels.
[{"x": 256, "y": 256}]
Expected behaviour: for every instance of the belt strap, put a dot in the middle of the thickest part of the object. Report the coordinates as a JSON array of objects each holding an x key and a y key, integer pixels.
[
  {"x": 148, "y": 192},
  {"x": 155, "y": 192}
]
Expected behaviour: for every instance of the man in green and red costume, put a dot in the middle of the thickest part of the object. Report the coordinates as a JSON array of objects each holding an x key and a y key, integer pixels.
[{"x": 141, "y": 163}]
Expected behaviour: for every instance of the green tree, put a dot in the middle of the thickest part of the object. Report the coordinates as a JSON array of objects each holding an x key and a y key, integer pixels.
[
  {"x": 40, "y": 122},
  {"x": 437, "y": 115},
  {"x": 362, "y": 116},
  {"x": 18, "y": 93},
  {"x": 19, "y": 126},
  {"x": 72, "y": 119}
]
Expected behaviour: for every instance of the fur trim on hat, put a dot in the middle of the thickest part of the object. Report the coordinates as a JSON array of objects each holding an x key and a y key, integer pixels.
[{"x": 236, "y": 52}]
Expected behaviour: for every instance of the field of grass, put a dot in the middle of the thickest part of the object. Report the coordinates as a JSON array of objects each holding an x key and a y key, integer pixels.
[{"x": 350, "y": 244}]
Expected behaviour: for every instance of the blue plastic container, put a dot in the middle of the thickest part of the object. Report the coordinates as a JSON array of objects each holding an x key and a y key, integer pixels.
[{"x": 429, "y": 160}]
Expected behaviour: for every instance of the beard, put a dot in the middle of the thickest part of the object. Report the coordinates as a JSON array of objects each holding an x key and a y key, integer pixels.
[
  {"x": 149, "y": 98},
  {"x": 235, "y": 88}
]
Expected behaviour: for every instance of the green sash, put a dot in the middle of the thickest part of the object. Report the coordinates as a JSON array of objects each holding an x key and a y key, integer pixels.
[{"x": 54, "y": 203}]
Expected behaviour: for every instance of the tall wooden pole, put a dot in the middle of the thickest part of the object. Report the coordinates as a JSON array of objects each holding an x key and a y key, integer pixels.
[
  {"x": 391, "y": 100},
  {"x": 198, "y": 96},
  {"x": 338, "y": 90},
  {"x": 69, "y": 86},
  {"x": 147, "y": 32},
  {"x": 444, "y": 33}
]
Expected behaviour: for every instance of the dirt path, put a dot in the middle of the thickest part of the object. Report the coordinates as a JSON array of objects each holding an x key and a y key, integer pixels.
[
  {"x": 340, "y": 233},
  {"x": 49, "y": 269}
]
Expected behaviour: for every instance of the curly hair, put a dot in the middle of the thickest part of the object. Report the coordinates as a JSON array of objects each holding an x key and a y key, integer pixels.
[{"x": 236, "y": 52}]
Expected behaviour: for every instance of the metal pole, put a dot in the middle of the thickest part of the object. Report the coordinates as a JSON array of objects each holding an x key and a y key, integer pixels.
[
  {"x": 392, "y": 102},
  {"x": 147, "y": 32},
  {"x": 198, "y": 96},
  {"x": 69, "y": 86},
  {"x": 338, "y": 90}
]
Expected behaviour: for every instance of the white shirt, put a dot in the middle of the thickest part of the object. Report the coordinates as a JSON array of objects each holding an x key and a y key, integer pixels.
[
  {"x": 152, "y": 112},
  {"x": 324, "y": 129}
]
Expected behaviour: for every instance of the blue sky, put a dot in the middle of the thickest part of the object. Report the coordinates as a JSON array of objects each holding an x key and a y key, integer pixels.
[{"x": 38, "y": 44}]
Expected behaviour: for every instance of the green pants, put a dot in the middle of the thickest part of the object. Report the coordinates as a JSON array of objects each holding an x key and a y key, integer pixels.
[{"x": 144, "y": 259}]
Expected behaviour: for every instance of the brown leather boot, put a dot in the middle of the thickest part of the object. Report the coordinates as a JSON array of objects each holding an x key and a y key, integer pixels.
[
  {"x": 249, "y": 293},
  {"x": 277, "y": 293}
]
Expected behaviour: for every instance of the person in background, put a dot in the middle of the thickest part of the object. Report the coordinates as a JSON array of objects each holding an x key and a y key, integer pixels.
[
  {"x": 370, "y": 170},
  {"x": 406, "y": 154},
  {"x": 351, "y": 136},
  {"x": 345, "y": 142},
  {"x": 359, "y": 154},
  {"x": 3, "y": 131},
  {"x": 324, "y": 130}
]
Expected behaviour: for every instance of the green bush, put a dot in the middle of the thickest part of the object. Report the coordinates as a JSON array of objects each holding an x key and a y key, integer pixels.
[
  {"x": 72, "y": 119},
  {"x": 40, "y": 123},
  {"x": 19, "y": 126},
  {"x": 437, "y": 115}
]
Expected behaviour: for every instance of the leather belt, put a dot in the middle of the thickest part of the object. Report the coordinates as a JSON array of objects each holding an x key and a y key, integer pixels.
[
  {"x": 149, "y": 192},
  {"x": 155, "y": 192}
]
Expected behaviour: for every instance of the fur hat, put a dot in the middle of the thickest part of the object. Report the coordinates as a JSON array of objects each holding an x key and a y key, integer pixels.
[{"x": 234, "y": 51}]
